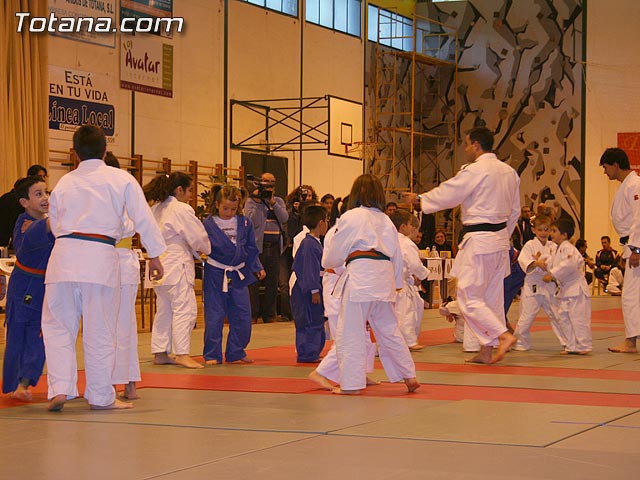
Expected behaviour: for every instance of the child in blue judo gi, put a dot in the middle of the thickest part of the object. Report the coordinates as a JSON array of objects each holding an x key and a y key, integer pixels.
[
  {"x": 231, "y": 267},
  {"x": 306, "y": 296},
  {"x": 33, "y": 241}
]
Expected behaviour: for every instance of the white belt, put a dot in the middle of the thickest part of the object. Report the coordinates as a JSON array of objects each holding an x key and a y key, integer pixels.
[{"x": 226, "y": 268}]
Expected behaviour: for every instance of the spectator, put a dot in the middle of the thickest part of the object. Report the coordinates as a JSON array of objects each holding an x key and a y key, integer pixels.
[
  {"x": 390, "y": 208},
  {"x": 581, "y": 245},
  {"x": 441, "y": 243},
  {"x": 268, "y": 214},
  {"x": 616, "y": 278},
  {"x": 327, "y": 201},
  {"x": 605, "y": 260},
  {"x": 522, "y": 233}
]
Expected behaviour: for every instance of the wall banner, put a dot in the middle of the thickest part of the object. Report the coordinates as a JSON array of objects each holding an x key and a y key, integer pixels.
[
  {"x": 146, "y": 65},
  {"x": 85, "y": 9},
  {"x": 630, "y": 143},
  {"x": 148, "y": 9},
  {"x": 77, "y": 97}
]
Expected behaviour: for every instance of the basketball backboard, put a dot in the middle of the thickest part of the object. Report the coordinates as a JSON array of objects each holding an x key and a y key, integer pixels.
[{"x": 345, "y": 127}]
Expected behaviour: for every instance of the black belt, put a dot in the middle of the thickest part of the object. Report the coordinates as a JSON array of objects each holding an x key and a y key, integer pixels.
[
  {"x": 483, "y": 227},
  {"x": 624, "y": 240}
]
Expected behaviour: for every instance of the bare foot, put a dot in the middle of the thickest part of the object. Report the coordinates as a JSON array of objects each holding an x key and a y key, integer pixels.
[
  {"x": 163, "y": 359},
  {"x": 57, "y": 403},
  {"x": 628, "y": 346},
  {"x": 212, "y": 362},
  {"x": 22, "y": 393},
  {"x": 416, "y": 348},
  {"x": 242, "y": 360},
  {"x": 130, "y": 392},
  {"x": 484, "y": 356},
  {"x": 412, "y": 384},
  {"x": 187, "y": 361},
  {"x": 372, "y": 382},
  {"x": 321, "y": 380},
  {"x": 507, "y": 340},
  {"x": 339, "y": 391},
  {"x": 116, "y": 405}
]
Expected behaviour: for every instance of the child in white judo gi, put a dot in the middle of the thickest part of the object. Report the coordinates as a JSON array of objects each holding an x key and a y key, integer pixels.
[
  {"x": 186, "y": 238},
  {"x": 367, "y": 243},
  {"x": 329, "y": 371},
  {"x": 127, "y": 367},
  {"x": 566, "y": 271},
  {"x": 537, "y": 294},
  {"x": 86, "y": 212},
  {"x": 409, "y": 304}
]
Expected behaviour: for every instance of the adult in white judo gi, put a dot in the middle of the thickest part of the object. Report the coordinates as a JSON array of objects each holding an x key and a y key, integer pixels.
[
  {"x": 488, "y": 191},
  {"x": 83, "y": 276},
  {"x": 366, "y": 242},
  {"x": 625, "y": 216}
]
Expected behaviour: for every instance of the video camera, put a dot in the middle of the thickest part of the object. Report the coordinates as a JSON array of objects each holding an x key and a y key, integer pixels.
[{"x": 265, "y": 189}]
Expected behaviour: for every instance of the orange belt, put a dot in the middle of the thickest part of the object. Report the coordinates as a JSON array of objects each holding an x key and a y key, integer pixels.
[
  {"x": 31, "y": 271},
  {"x": 91, "y": 237},
  {"x": 329, "y": 270},
  {"x": 370, "y": 254}
]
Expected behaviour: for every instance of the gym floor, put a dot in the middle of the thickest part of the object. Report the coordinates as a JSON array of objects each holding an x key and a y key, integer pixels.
[{"x": 536, "y": 415}]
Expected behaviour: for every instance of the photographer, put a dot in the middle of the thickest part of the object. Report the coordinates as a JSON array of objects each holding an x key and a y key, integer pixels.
[{"x": 268, "y": 215}]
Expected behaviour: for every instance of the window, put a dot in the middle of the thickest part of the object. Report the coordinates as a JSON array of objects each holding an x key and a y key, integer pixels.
[
  {"x": 395, "y": 30},
  {"x": 340, "y": 15},
  {"x": 289, "y": 7}
]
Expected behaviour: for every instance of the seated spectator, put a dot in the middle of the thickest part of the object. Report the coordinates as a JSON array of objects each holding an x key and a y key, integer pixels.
[
  {"x": 616, "y": 278},
  {"x": 605, "y": 260},
  {"x": 390, "y": 208},
  {"x": 581, "y": 245},
  {"x": 441, "y": 243}
]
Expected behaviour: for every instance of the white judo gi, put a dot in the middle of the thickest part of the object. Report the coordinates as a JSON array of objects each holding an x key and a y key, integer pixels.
[
  {"x": 367, "y": 289},
  {"x": 625, "y": 216},
  {"x": 573, "y": 303},
  {"x": 409, "y": 304},
  {"x": 83, "y": 277},
  {"x": 616, "y": 281},
  {"x": 177, "y": 309},
  {"x": 329, "y": 367},
  {"x": 536, "y": 294},
  {"x": 127, "y": 366},
  {"x": 488, "y": 192}
]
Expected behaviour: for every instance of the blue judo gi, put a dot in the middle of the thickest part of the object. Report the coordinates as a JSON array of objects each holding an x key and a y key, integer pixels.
[
  {"x": 308, "y": 317},
  {"x": 233, "y": 304},
  {"x": 24, "y": 352},
  {"x": 513, "y": 283}
]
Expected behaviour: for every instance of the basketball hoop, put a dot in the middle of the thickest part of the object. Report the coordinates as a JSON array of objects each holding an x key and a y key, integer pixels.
[{"x": 364, "y": 150}]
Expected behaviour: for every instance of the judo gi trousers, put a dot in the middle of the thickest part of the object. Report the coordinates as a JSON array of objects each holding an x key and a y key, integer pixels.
[
  {"x": 631, "y": 302},
  {"x": 481, "y": 292},
  {"x": 234, "y": 305},
  {"x": 575, "y": 312},
  {"x": 127, "y": 368},
  {"x": 175, "y": 318},
  {"x": 409, "y": 317},
  {"x": 529, "y": 307},
  {"x": 352, "y": 348},
  {"x": 309, "y": 322},
  {"x": 64, "y": 304},
  {"x": 24, "y": 352}
]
